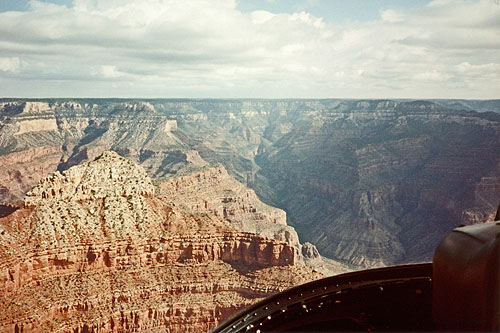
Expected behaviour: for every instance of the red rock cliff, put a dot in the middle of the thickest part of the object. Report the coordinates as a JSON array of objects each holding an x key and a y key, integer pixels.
[{"x": 95, "y": 250}]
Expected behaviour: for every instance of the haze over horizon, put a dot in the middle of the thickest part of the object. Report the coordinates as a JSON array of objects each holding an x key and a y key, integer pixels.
[{"x": 250, "y": 49}]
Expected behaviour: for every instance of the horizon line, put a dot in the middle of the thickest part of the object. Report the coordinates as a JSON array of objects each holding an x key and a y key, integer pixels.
[{"x": 251, "y": 98}]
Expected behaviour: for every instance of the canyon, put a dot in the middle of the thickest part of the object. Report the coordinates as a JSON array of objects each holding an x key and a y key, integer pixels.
[
  {"x": 369, "y": 182},
  {"x": 95, "y": 248}
]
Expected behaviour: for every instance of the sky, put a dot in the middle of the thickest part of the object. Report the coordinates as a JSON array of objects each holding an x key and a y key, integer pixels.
[{"x": 250, "y": 48}]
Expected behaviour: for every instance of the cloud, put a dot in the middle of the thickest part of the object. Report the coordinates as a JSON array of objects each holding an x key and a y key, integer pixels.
[
  {"x": 109, "y": 71},
  {"x": 391, "y": 16},
  {"x": 10, "y": 64},
  {"x": 207, "y": 48}
]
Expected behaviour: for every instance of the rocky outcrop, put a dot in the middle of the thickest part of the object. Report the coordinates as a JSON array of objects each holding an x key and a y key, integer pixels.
[
  {"x": 486, "y": 195},
  {"x": 48, "y": 136},
  {"x": 95, "y": 180},
  {"x": 211, "y": 190},
  {"x": 95, "y": 249}
]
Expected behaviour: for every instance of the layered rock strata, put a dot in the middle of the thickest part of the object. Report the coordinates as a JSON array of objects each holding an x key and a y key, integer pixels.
[
  {"x": 369, "y": 182},
  {"x": 211, "y": 190},
  {"x": 22, "y": 170},
  {"x": 381, "y": 182},
  {"x": 94, "y": 250}
]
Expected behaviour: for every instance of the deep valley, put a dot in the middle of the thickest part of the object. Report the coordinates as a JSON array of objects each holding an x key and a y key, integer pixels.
[{"x": 370, "y": 182}]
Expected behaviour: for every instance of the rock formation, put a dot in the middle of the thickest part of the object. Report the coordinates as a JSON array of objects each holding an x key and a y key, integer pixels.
[
  {"x": 94, "y": 249},
  {"x": 383, "y": 181},
  {"x": 22, "y": 170},
  {"x": 211, "y": 190},
  {"x": 369, "y": 182}
]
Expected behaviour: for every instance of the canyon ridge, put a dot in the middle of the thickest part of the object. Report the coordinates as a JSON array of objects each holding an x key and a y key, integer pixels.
[
  {"x": 96, "y": 248},
  {"x": 368, "y": 182}
]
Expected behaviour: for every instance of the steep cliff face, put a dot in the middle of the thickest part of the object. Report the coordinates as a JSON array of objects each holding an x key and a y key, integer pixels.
[
  {"x": 49, "y": 136},
  {"x": 384, "y": 181},
  {"x": 368, "y": 182},
  {"x": 211, "y": 190},
  {"x": 94, "y": 249},
  {"x": 22, "y": 170}
]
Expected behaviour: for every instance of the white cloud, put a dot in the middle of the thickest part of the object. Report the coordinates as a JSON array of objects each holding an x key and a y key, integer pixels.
[
  {"x": 10, "y": 64},
  {"x": 110, "y": 71},
  {"x": 261, "y": 16},
  {"x": 391, "y": 16},
  {"x": 308, "y": 19},
  {"x": 207, "y": 48}
]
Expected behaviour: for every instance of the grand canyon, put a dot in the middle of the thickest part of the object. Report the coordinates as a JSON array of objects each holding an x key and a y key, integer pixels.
[{"x": 173, "y": 214}]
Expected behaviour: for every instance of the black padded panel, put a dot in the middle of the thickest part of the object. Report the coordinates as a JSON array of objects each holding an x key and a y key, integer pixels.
[{"x": 466, "y": 279}]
